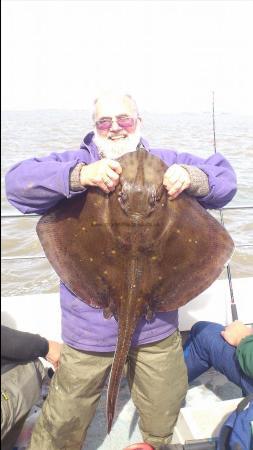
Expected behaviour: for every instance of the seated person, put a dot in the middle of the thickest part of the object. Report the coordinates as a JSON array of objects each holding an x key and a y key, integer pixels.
[
  {"x": 22, "y": 374},
  {"x": 228, "y": 349}
]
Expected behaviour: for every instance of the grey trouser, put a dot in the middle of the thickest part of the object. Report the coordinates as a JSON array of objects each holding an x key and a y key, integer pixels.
[
  {"x": 20, "y": 390},
  {"x": 157, "y": 379}
]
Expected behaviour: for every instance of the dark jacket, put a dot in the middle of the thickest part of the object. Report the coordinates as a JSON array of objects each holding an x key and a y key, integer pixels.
[
  {"x": 20, "y": 347},
  {"x": 244, "y": 353}
]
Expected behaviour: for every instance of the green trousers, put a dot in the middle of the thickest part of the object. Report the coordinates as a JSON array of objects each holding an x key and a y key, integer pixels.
[{"x": 157, "y": 379}]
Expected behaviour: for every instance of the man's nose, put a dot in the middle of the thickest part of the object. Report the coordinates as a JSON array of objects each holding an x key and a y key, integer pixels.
[{"x": 115, "y": 126}]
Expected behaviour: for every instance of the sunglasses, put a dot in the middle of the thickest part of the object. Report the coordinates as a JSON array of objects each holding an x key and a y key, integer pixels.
[{"x": 123, "y": 122}]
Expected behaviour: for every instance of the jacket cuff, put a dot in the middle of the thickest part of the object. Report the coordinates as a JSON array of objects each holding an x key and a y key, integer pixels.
[
  {"x": 74, "y": 178},
  {"x": 199, "y": 186}
]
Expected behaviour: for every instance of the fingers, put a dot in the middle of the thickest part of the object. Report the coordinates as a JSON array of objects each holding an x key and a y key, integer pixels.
[
  {"x": 54, "y": 353},
  {"x": 54, "y": 362},
  {"x": 176, "y": 180},
  {"x": 110, "y": 172},
  {"x": 107, "y": 184},
  {"x": 103, "y": 174},
  {"x": 235, "y": 332},
  {"x": 114, "y": 165},
  {"x": 176, "y": 189},
  {"x": 111, "y": 177}
]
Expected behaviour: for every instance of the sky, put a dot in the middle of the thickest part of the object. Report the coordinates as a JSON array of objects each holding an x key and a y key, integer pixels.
[{"x": 169, "y": 55}]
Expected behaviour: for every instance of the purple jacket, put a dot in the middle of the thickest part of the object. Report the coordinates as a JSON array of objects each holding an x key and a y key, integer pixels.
[{"x": 37, "y": 184}]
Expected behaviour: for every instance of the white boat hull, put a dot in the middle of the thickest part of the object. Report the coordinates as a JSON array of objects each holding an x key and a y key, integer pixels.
[{"x": 41, "y": 313}]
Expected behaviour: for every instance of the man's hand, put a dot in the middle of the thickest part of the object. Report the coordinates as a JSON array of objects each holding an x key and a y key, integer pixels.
[
  {"x": 54, "y": 353},
  {"x": 103, "y": 174},
  {"x": 235, "y": 332},
  {"x": 176, "y": 179}
]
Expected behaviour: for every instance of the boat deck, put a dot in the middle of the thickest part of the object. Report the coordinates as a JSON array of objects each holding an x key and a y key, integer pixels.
[{"x": 210, "y": 389}]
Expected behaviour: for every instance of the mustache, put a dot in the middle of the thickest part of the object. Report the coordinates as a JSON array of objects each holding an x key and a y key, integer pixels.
[{"x": 109, "y": 148}]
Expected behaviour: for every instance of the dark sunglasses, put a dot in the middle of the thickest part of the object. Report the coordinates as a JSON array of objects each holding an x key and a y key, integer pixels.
[{"x": 123, "y": 122}]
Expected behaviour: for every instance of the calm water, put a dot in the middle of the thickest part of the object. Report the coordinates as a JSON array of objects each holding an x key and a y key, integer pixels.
[{"x": 26, "y": 134}]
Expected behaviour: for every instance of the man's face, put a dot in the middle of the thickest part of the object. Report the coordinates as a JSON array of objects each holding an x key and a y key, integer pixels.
[{"x": 117, "y": 126}]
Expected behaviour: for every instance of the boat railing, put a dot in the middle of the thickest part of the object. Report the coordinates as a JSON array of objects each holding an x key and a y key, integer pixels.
[
  {"x": 28, "y": 216},
  {"x": 220, "y": 212}
]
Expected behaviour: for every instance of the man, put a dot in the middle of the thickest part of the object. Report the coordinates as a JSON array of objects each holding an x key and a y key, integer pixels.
[
  {"x": 22, "y": 374},
  {"x": 228, "y": 349},
  {"x": 156, "y": 371}
]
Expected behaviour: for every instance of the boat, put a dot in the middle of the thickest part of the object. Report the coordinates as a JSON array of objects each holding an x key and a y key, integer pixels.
[{"x": 210, "y": 398}]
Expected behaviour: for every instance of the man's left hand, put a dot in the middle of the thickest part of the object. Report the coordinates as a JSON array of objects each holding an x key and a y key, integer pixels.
[{"x": 176, "y": 180}]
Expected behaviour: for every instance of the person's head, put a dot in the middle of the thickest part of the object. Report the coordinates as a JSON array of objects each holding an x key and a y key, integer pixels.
[{"x": 116, "y": 125}]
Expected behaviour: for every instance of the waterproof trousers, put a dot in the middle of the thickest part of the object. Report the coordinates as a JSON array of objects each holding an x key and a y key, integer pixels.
[
  {"x": 157, "y": 379},
  {"x": 206, "y": 348},
  {"x": 20, "y": 390}
]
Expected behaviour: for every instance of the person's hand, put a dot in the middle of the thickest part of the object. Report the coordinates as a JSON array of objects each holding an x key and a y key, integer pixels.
[
  {"x": 103, "y": 174},
  {"x": 176, "y": 179},
  {"x": 235, "y": 332},
  {"x": 54, "y": 352}
]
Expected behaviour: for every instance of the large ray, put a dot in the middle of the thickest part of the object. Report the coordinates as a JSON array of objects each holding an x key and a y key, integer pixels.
[{"x": 134, "y": 252}]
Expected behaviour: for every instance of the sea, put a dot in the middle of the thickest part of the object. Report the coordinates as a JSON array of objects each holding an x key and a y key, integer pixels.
[{"x": 25, "y": 270}]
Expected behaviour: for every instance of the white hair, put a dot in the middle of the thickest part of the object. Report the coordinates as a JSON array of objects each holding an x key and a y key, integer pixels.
[{"x": 114, "y": 95}]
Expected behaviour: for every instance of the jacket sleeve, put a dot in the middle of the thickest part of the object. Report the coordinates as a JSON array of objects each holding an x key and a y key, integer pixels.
[
  {"x": 244, "y": 353},
  {"x": 221, "y": 178},
  {"x": 21, "y": 346},
  {"x": 37, "y": 184}
]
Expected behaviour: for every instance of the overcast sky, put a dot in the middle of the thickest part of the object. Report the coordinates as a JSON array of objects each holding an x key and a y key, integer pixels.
[{"x": 170, "y": 55}]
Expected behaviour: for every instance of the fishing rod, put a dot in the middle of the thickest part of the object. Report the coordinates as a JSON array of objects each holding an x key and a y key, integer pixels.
[{"x": 233, "y": 304}]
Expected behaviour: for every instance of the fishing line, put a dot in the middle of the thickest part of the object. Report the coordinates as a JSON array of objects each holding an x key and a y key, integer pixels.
[{"x": 233, "y": 304}]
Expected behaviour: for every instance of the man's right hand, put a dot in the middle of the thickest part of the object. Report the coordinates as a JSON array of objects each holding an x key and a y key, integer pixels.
[{"x": 103, "y": 174}]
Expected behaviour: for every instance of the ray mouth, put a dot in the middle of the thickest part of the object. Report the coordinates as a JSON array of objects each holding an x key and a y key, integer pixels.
[{"x": 137, "y": 217}]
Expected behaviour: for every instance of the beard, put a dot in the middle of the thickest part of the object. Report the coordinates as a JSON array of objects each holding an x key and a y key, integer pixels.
[{"x": 108, "y": 148}]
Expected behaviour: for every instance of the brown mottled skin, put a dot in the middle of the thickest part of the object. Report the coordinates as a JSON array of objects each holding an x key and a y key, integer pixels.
[{"x": 134, "y": 252}]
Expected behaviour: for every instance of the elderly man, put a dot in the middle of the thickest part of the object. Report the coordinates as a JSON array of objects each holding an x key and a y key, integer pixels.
[{"x": 155, "y": 366}]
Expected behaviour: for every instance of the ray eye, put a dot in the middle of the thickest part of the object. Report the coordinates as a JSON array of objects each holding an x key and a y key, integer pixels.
[
  {"x": 158, "y": 194},
  {"x": 152, "y": 200},
  {"x": 122, "y": 196}
]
